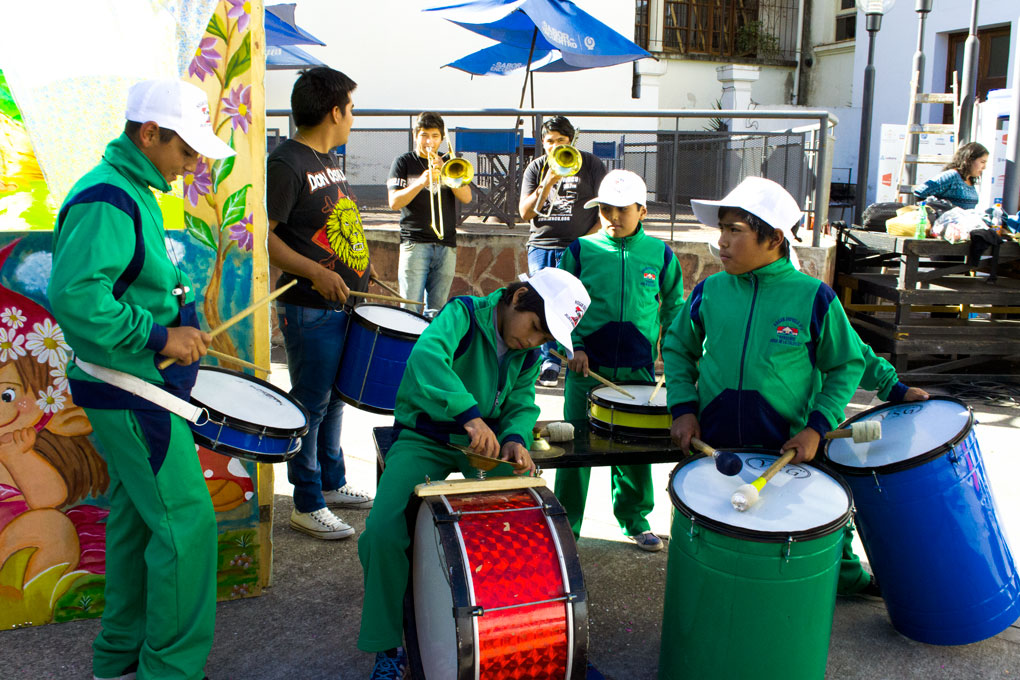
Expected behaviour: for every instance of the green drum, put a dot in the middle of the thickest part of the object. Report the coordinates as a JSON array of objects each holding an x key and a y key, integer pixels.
[{"x": 751, "y": 594}]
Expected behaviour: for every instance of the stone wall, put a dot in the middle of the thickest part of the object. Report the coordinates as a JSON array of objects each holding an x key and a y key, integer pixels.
[{"x": 487, "y": 260}]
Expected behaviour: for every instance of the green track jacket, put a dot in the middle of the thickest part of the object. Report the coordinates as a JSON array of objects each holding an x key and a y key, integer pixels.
[
  {"x": 636, "y": 289},
  {"x": 453, "y": 376},
  {"x": 760, "y": 356},
  {"x": 879, "y": 375},
  {"x": 111, "y": 285}
]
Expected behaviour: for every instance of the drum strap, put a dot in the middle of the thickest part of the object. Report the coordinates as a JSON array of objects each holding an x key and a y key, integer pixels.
[{"x": 145, "y": 390}]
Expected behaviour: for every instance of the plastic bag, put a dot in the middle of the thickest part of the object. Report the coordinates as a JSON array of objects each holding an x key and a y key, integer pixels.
[{"x": 955, "y": 225}]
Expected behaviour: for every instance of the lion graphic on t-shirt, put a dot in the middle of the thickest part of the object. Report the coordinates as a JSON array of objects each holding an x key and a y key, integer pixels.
[{"x": 345, "y": 235}]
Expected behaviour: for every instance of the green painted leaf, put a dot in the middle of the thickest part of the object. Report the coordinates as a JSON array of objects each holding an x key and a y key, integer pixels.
[
  {"x": 240, "y": 61},
  {"x": 216, "y": 28},
  {"x": 233, "y": 207},
  {"x": 201, "y": 231},
  {"x": 221, "y": 170}
]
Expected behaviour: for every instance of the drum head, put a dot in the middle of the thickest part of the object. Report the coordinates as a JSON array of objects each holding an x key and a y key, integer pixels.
[
  {"x": 641, "y": 393},
  {"x": 243, "y": 398},
  {"x": 912, "y": 433},
  {"x": 433, "y": 601},
  {"x": 392, "y": 318},
  {"x": 800, "y": 500}
]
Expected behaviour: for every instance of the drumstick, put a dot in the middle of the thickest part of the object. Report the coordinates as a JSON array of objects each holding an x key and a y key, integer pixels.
[
  {"x": 474, "y": 458},
  {"x": 385, "y": 287},
  {"x": 237, "y": 317},
  {"x": 658, "y": 386},
  {"x": 747, "y": 495},
  {"x": 866, "y": 431},
  {"x": 240, "y": 362},
  {"x": 726, "y": 462},
  {"x": 385, "y": 298},
  {"x": 597, "y": 377}
]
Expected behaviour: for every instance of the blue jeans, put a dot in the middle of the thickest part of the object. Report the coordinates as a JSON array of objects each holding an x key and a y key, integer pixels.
[
  {"x": 540, "y": 258},
  {"x": 425, "y": 272},
  {"x": 314, "y": 339}
]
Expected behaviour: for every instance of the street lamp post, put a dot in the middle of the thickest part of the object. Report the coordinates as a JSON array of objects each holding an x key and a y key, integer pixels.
[
  {"x": 873, "y": 11},
  {"x": 922, "y": 7}
]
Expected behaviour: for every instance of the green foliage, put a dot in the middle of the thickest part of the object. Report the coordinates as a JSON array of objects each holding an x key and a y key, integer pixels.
[
  {"x": 753, "y": 38},
  {"x": 240, "y": 61},
  {"x": 222, "y": 168},
  {"x": 201, "y": 231},
  {"x": 233, "y": 207}
]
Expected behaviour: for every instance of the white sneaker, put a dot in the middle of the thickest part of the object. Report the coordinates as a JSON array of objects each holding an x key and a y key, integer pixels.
[
  {"x": 347, "y": 497},
  {"x": 321, "y": 523}
]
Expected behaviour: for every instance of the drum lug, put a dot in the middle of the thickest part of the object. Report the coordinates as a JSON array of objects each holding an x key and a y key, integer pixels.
[
  {"x": 553, "y": 510},
  {"x": 694, "y": 530},
  {"x": 878, "y": 485},
  {"x": 474, "y": 610},
  {"x": 789, "y": 546}
]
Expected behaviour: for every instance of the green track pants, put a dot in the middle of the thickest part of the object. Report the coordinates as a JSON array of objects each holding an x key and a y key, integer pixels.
[
  {"x": 383, "y": 545},
  {"x": 632, "y": 491},
  {"x": 160, "y": 555}
]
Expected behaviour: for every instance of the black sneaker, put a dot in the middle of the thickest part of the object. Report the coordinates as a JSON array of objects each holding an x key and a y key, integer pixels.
[
  {"x": 549, "y": 377},
  {"x": 869, "y": 592}
]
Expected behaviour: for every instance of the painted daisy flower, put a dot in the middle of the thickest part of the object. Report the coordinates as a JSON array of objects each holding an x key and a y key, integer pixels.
[
  {"x": 240, "y": 10},
  {"x": 46, "y": 343},
  {"x": 197, "y": 183},
  {"x": 51, "y": 400},
  {"x": 11, "y": 345},
  {"x": 237, "y": 105},
  {"x": 206, "y": 59},
  {"x": 242, "y": 233},
  {"x": 59, "y": 376},
  {"x": 13, "y": 317}
]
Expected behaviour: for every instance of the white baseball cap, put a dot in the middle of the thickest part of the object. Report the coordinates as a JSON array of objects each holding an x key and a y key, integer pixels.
[
  {"x": 762, "y": 198},
  {"x": 178, "y": 106},
  {"x": 620, "y": 188},
  {"x": 566, "y": 301}
]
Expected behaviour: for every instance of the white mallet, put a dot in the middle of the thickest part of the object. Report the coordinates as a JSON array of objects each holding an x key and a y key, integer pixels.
[
  {"x": 747, "y": 495},
  {"x": 865, "y": 431},
  {"x": 558, "y": 432}
]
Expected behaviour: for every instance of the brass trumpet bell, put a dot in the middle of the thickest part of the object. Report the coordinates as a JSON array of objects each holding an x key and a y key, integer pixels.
[
  {"x": 457, "y": 172},
  {"x": 565, "y": 160}
]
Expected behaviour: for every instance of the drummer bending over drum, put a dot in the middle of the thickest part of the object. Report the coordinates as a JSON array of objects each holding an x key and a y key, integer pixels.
[
  {"x": 639, "y": 292},
  {"x": 761, "y": 354},
  {"x": 470, "y": 380}
]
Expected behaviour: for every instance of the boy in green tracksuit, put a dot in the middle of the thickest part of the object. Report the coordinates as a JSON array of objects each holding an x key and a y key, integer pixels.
[
  {"x": 470, "y": 381},
  {"x": 761, "y": 355},
  {"x": 637, "y": 289},
  {"x": 123, "y": 304},
  {"x": 880, "y": 376}
]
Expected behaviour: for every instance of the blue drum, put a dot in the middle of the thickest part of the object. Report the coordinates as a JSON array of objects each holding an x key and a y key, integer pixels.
[
  {"x": 379, "y": 340},
  {"x": 245, "y": 417},
  {"x": 928, "y": 522}
]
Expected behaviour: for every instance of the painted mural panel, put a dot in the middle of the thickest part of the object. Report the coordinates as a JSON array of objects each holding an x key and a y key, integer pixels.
[{"x": 53, "y": 478}]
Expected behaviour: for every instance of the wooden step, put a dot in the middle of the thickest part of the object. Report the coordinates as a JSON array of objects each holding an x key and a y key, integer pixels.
[
  {"x": 926, "y": 158},
  {"x": 932, "y": 128},
  {"x": 934, "y": 98}
]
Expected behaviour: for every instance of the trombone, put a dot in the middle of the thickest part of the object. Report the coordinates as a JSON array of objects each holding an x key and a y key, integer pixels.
[
  {"x": 565, "y": 161},
  {"x": 454, "y": 173}
]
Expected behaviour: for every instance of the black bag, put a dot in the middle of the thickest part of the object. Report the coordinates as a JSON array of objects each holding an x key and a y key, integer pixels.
[
  {"x": 936, "y": 206},
  {"x": 876, "y": 214}
]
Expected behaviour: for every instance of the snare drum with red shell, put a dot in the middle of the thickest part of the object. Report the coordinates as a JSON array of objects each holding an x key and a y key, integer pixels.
[{"x": 496, "y": 589}]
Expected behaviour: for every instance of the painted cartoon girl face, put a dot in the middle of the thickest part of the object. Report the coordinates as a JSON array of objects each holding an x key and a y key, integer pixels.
[{"x": 17, "y": 409}]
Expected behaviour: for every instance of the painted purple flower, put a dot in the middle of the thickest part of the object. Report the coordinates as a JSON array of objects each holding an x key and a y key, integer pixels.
[
  {"x": 240, "y": 10},
  {"x": 197, "y": 183},
  {"x": 206, "y": 59},
  {"x": 237, "y": 105},
  {"x": 242, "y": 233}
]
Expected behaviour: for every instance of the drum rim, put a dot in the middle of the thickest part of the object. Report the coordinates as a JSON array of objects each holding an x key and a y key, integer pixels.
[
  {"x": 234, "y": 452},
  {"x": 909, "y": 463},
  {"x": 389, "y": 332},
  {"x": 732, "y": 531},
  {"x": 248, "y": 427},
  {"x": 640, "y": 409},
  {"x": 641, "y": 435},
  {"x": 360, "y": 405}
]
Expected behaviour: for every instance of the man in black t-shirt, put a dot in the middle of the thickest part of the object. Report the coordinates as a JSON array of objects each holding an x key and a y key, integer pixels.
[
  {"x": 428, "y": 219},
  {"x": 555, "y": 207},
  {"x": 316, "y": 237}
]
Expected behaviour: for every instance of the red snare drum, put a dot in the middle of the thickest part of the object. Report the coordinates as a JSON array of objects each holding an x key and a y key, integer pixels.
[{"x": 496, "y": 588}]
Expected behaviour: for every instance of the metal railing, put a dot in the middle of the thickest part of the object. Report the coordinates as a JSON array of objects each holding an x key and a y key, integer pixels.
[{"x": 677, "y": 164}]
